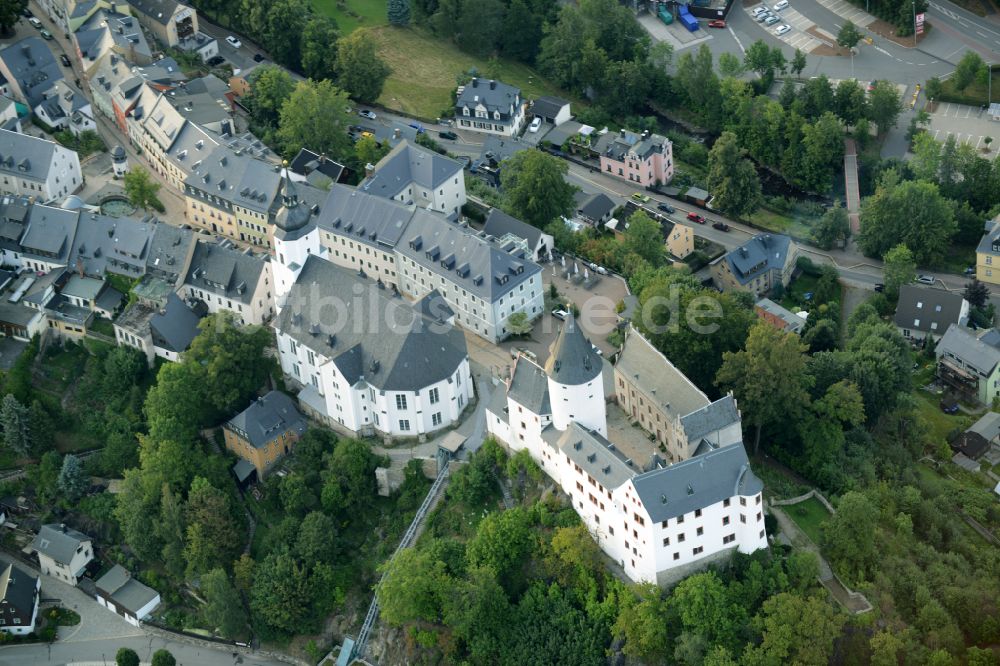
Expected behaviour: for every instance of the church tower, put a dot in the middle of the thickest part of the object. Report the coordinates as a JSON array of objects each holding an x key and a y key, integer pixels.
[
  {"x": 296, "y": 237},
  {"x": 576, "y": 386}
]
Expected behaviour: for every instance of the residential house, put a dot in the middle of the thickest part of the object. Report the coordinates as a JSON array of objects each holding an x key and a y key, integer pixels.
[
  {"x": 552, "y": 110},
  {"x": 225, "y": 278},
  {"x": 594, "y": 209},
  {"x": 120, "y": 593},
  {"x": 968, "y": 362},
  {"x": 109, "y": 31},
  {"x": 317, "y": 170},
  {"x": 170, "y": 251},
  {"x": 680, "y": 240},
  {"x": 922, "y": 312},
  {"x": 266, "y": 431},
  {"x": 63, "y": 552},
  {"x": 974, "y": 442},
  {"x": 781, "y": 318},
  {"x": 64, "y": 106},
  {"x": 46, "y": 240},
  {"x": 72, "y": 15},
  {"x": 37, "y": 167},
  {"x": 158, "y": 323},
  {"x": 17, "y": 320},
  {"x": 29, "y": 70},
  {"x": 19, "y": 595},
  {"x": 169, "y": 21},
  {"x": 505, "y": 228},
  {"x": 491, "y": 107},
  {"x": 104, "y": 244},
  {"x": 988, "y": 254},
  {"x": 658, "y": 521},
  {"x": 644, "y": 159},
  {"x": 757, "y": 266},
  {"x": 418, "y": 175}
]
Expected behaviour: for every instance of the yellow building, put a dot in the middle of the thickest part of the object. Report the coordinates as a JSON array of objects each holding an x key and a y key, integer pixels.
[
  {"x": 266, "y": 431},
  {"x": 988, "y": 254},
  {"x": 680, "y": 241}
]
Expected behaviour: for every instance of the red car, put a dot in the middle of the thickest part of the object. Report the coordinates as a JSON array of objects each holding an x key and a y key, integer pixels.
[
  {"x": 717, "y": 23},
  {"x": 695, "y": 217}
]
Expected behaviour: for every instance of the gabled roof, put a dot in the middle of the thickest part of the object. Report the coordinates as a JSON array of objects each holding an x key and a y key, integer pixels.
[
  {"x": 696, "y": 483},
  {"x": 991, "y": 236},
  {"x": 710, "y": 418},
  {"x": 399, "y": 350},
  {"x": 493, "y": 95},
  {"x": 618, "y": 145},
  {"x": 659, "y": 380},
  {"x": 499, "y": 223},
  {"x": 596, "y": 456},
  {"x": 928, "y": 310},
  {"x": 106, "y": 30},
  {"x": 124, "y": 590},
  {"x": 168, "y": 249},
  {"x": 988, "y": 426},
  {"x": 242, "y": 180},
  {"x": 160, "y": 11},
  {"x": 369, "y": 219},
  {"x": 307, "y": 161},
  {"x": 407, "y": 165},
  {"x": 59, "y": 542},
  {"x": 25, "y": 156},
  {"x": 529, "y": 387},
  {"x": 32, "y": 65},
  {"x": 548, "y": 107},
  {"x": 594, "y": 206},
  {"x": 762, "y": 253},
  {"x": 572, "y": 359},
  {"x": 119, "y": 245},
  {"x": 50, "y": 231},
  {"x": 175, "y": 326},
  {"x": 17, "y": 590},
  {"x": 266, "y": 418},
  {"x": 221, "y": 269},
  {"x": 963, "y": 344}
]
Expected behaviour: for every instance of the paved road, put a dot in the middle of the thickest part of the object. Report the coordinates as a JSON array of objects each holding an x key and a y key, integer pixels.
[{"x": 102, "y": 652}]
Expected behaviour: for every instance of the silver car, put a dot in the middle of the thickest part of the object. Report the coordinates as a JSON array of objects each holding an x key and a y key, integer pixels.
[
  {"x": 782, "y": 29},
  {"x": 771, "y": 20}
]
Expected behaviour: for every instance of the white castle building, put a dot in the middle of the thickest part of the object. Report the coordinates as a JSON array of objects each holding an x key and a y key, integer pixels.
[{"x": 659, "y": 521}]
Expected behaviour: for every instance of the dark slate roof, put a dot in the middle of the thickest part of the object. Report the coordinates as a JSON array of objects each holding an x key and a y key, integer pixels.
[
  {"x": 58, "y": 542},
  {"x": 762, "y": 253},
  {"x": 971, "y": 444},
  {"x": 499, "y": 223},
  {"x": 572, "y": 359},
  {"x": 175, "y": 326},
  {"x": 962, "y": 343},
  {"x": 920, "y": 307},
  {"x": 16, "y": 314},
  {"x": 696, "y": 483},
  {"x": 292, "y": 215},
  {"x": 657, "y": 377},
  {"x": 596, "y": 456},
  {"x": 24, "y": 156},
  {"x": 369, "y": 219},
  {"x": 266, "y": 418},
  {"x": 480, "y": 266},
  {"x": 406, "y": 355},
  {"x": 168, "y": 249},
  {"x": 712, "y": 417},
  {"x": 118, "y": 245},
  {"x": 17, "y": 589},
  {"x": 307, "y": 161},
  {"x": 618, "y": 145},
  {"x": 529, "y": 387},
  {"x": 243, "y": 468},
  {"x": 408, "y": 164},
  {"x": 50, "y": 231},
  {"x": 594, "y": 206},
  {"x": 988, "y": 426},
  {"x": 494, "y": 95},
  {"x": 243, "y": 180},
  {"x": 548, "y": 107},
  {"x": 160, "y": 11},
  {"x": 125, "y": 590},
  {"x": 990, "y": 237},
  {"x": 221, "y": 269},
  {"x": 498, "y": 404},
  {"x": 34, "y": 67},
  {"x": 502, "y": 147}
]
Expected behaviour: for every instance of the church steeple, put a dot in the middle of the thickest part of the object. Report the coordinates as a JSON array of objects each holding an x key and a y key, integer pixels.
[{"x": 292, "y": 215}]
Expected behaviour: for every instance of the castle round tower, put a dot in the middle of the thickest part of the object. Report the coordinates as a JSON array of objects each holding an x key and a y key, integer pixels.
[
  {"x": 576, "y": 386},
  {"x": 296, "y": 237}
]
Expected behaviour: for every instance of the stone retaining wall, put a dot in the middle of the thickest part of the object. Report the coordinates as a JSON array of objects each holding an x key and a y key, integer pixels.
[
  {"x": 802, "y": 498},
  {"x": 213, "y": 645}
]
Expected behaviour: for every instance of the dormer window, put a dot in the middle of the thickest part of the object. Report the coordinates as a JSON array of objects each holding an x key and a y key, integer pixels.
[
  {"x": 465, "y": 110},
  {"x": 496, "y": 115}
]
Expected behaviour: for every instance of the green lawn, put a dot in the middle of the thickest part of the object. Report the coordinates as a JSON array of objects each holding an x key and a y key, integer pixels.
[
  {"x": 795, "y": 223},
  {"x": 352, "y": 14},
  {"x": 424, "y": 70},
  {"x": 809, "y": 516},
  {"x": 940, "y": 424}
]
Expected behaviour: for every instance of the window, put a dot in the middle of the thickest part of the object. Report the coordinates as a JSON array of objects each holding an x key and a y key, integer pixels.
[
  {"x": 697, "y": 513},
  {"x": 680, "y": 519},
  {"x": 729, "y": 538},
  {"x": 743, "y": 519},
  {"x": 436, "y": 419},
  {"x": 743, "y": 501},
  {"x": 400, "y": 401},
  {"x": 677, "y": 556},
  {"x": 698, "y": 550},
  {"x": 404, "y": 424},
  {"x": 759, "y": 516},
  {"x": 725, "y": 520},
  {"x": 611, "y": 530},
  {"x": 701, "y": 530},
  {"x": 757, "y": 500},
  {"x": 680, "y": 538},
  {"x": 666, "y": 541},
  {"x": 725, "y": 503},
  {"x": 434, "y": 396},
  {"x": 762, "y": 534}
]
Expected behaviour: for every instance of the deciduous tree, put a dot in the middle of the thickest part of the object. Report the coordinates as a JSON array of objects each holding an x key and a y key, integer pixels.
[
  {"x": 10, "y": 14},
  {"x": 534, "y": 187},
  {"x": 319, "y": 50},
  {"x": 798, "y": 63},
  {"x": 795, "y": 630},
  {"x": 213, "y": 535},
  {"x": 223, "y": 609},
  {"x": 141, "y": 189},
  {"x": 833, "y": 228},
  {"x": 360, "y": 71},
  {"x": 898, "y": 268},
  {"x": 272, "y": 86},
  {"x": 732, "y": 179},
  {"x": 126, "y": 657},
  {"x": 315, "y": 116},
  {"x": 884, "y": 105},
  {"x": 644, "y": 237}
]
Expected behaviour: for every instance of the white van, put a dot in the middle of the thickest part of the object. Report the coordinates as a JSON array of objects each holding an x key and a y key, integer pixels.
[{"x": 780, "y": 4}]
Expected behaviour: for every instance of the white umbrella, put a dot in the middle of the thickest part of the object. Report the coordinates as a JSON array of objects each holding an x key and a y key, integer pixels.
[
  {"x": 586, "y": 274},
  {"x": 576, "y": 268},
  {"x": 563, "y": 258}
]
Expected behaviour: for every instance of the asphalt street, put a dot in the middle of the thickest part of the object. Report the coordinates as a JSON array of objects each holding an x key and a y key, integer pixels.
[{"x": 101, "y": 652}]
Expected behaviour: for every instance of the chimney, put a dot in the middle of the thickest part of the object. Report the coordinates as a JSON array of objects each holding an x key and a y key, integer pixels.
[
  {"x": 322, "y": 158},
  {"x": 79, "y": 266},
  {"x": 475, "y": 81},
  {"x": 369, "y": 170},
  {"x": 621, "y": 132},
  {"x": 493, "y": 84}
]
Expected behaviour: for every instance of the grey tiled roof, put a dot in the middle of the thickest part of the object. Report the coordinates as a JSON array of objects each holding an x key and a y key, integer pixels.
[
  {"x": 529, "y": 386},
  {"x": 50, "y": 231},
  {"x": 710, "y": 418},
  {"x": 245, "y": 181},
  {"x": 25, "y": 156},
  {"x": 105, "y": 30},
  {"x": 696, "y": 483},
  {"x": 618, "y": 145},
  {"x": 988, "y": 426},
  {"x": 119, "y": 245},
  {"x": 481, "y": 267},
  {"x": 266, "y": 418},
  {"x": 991, "y": 236},
  {"x": 221, "y": 269},
  {"x": 17, "y": 590},
  {"x": 502, "y": 147},
  {"x": 408, "y": 164},
  {"x": 408, "y": 355},
  {"x": 494, "y": 95},
  {"x": 168, "y": 250},
  {"x": 962, "y": 343},
  {"x": 661, "y": 382},
  {"x": 572, "y": 359},
  {"x": 596, "y": 456},
  {"x": 499, "y": 223},
  {"x": 58, "y": 542},
  {"x": 307, "y": 161},
  {"x": 793, "y": 322},
  {"x": 434, "y": 307},
  {"x": 175, "y": 326},
  {"x": 160, "y": 11},
  {"x": 548, "y": 107},
  {"x": 919, "y": 308},
  {"x": 16, "y": 314},
  {"x": 369, "y": 219},
  {"x": 594, "y": 206},
  {"x": 125, "y": 590},
  {"x": 762, "y": 253},
  {"x": 33, "y": 66}
]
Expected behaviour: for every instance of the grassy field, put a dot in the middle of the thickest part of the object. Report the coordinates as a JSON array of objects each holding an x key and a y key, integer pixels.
[
  {"x": 974, "y": 94},
  {"x": 352, "y": 14},
  {"x": 940, "y": 424},
  {"x": 810, "y": 516},
  {"x": 424, "y": 70},
  {"x": 793, "y": 223}
]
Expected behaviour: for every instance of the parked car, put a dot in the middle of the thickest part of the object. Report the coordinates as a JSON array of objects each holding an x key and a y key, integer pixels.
[
  {"x": 695, "y": 217},
  {"x": 536, "y": 124},
  {"x": 771, "y": 20},
  {"x": 365, "y": 113},
  {"x": 879, "y": 287},
  {"x": 215, "y": 61},
  {"x": 926, "y": 279},
  {"x": 258, "y": 57},
  {"x": 764, "y": 15},
  {"x": 971, "y": 270},
  {"x": 64, "y": 59},
  {"x": 417, "y": 126},
  {"x": 45, "y": 34},
  {"x": 949, "y": 407},
  {"x": 35, "y": 22},
  {"x": 758, "y": 10},
  {"x": 465, "y": 160},
  {"x": 235, "y": 43},
  {"x": 560, "y": 314},
  {"x": 640, "y": 197},
  {"x": 871, "y": 85},
  {"x": 666, "y": 208},
  {"x": 717, "y": 23},
  {"x": 721, "y": 226},
  {"x": 26, "y": 13},
  {"x": 782, "y": 29},
  {"x": 450, "y": 136},
  {"x": 779, "y": 5},
  {"x": 597, "y": 350},
  {"x": 601, "y": 270}
]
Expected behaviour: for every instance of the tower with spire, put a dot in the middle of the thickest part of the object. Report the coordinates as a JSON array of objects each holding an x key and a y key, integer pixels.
[
  {"x": 576, "y": 388},
  {"x": 296, "y": 237}
]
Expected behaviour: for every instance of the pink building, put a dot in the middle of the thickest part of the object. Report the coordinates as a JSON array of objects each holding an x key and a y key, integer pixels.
[{"x": 645, "y": 159}]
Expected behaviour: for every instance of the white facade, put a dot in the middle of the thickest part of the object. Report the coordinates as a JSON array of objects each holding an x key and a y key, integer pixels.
[
  {"x": 254, "y": 310},
  {"x": 25, "y": 629},
  {"x": 290, "y": 258},
  {"x": 135, "y": 619},
  {"x": 583, "y": 404},
  {"x": 71, "y": 572},
  {"x": 56, "y": 179}
]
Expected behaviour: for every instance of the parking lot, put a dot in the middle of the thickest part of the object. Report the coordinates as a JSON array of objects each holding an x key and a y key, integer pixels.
[
  {"x": 846, "y": 10},
  {"x": 798, "y": 37},
  {"x": 968, "y": 124}
]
